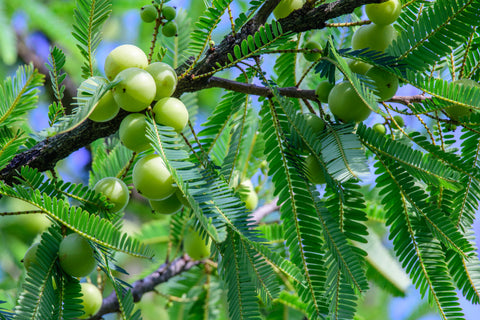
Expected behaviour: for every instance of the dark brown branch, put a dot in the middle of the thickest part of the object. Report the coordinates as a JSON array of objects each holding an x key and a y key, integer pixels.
[
  {"x": 263, "y": 13},
  {"x": 47, "y": 153},
  {"x": 317, "y": 17},
  {"x": 292, "y": 92},
  {"x": 148, "y": 284}
]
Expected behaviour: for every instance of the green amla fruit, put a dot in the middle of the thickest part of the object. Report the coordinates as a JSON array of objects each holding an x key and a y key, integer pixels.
[
  {"x": 148, "y": 13},
  {"x": 169, "y": 29},
  {"x": 169, "y": 13}
]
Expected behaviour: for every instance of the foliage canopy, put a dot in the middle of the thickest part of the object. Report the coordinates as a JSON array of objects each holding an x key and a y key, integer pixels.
[{"x": 308, "y": 251}]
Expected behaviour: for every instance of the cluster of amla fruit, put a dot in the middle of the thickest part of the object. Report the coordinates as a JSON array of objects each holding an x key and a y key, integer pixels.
[
  {"x": 343, "y": 100},
  {"x": 77, "y": 259},
  {"x": 164, "y": 14},
  {"x": 139, "y": 84}
]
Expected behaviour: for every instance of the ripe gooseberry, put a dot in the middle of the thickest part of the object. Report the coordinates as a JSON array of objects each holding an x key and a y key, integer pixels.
[
  {"x": 384, "y": 13},
  {"x": 165, "y": 79},
  {"x": 124, "y": 57},
  {"x": 116, "y": 192},
  {"x": 135, "y": 91},
  {"x": 323, "y": 90},
  {"x": 373, "y": 36},
  {"x": 76, "y": 255},
  {"x": 385, "y": 83},
  {"x": 359, "y": 67},
  {"x": 457, "y": 111},
  {"x": 148, "y": 13},
  {"x": 152, "y": 179},
  {"x": 106, "y": 108},
  {"x": 30, "y": 256},
  {"x": 171, "y": 112},
  {"x": 346, "y": 104},
  {"x": 314, "y": 170},
  {"x": 169, "y": 205},
  {"x": 169, "y": 29},
  {"x": 91, "y": 300},
  {"x": 248, "y": 194},
  {"x": 379, "y": 128},
  {"x": 169, "y": 13},
  {"x": 285, "y": 7},
  {"x": 132, "y": 132},
  {"x": 195, "y": 246},
  {"x": 312, "y": 56},
  {"x": 399, "y": 120}
]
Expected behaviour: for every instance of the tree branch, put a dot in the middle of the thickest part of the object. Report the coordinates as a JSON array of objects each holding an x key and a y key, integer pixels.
[
  {"x": 265, "y": 210},
  {"x": 47, "y": 153},
  {"x": 165, "y": 272},
  {"x": 406, "y": 100},
  {"x": 248, "y": 88},
  {"x": 317, "y": 17}
]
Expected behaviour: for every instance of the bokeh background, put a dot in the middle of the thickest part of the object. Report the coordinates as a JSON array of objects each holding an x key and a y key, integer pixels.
[{"x": 39, "y": 24}]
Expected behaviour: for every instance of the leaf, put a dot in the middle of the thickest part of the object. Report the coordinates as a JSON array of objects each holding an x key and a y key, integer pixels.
[
  {"x": 89, "y": 17},
  {"x": 92, "y": 90},
  {"x": 91, "y": 226},
  {"x": 19, "y": 94},
  {"x": 445, "y": 24},
  {"x": 9, "y": 144}
]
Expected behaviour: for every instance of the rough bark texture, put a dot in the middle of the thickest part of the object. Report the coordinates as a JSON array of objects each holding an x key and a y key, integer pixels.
[
  {"x": 147, "y": 284},
  {"x": 47, "y": 153}
]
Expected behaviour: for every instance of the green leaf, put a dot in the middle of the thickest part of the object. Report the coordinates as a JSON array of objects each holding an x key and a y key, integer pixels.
[
  {"x": 445, "y": 25},
  {"x": 9, "y": 144},
  {"x": 19, "y": 94},
  {"x": 91, "y": 226},
  {"x": 89, "y": 17}
]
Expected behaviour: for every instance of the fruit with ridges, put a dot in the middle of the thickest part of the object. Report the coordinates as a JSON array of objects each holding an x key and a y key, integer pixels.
[
  {"x": 379, "y": 128},
  {"x": 373, "y": 36},
  {"x": 399, "y": 120},
  {"x": 323, "y": 90},
  {"x": 285, "y": 7},
  {"x": 359, "y": 67},
  {"x": 346, "y": 104},
  {"x": 195, "y": 246},
  {"x": 132, "y": 132},
  {"x": 30, "y": 256},
  {"x": 148, "y": 13},
  {"x": 169, "y": 205},
  {"x": 248, "y": 194},
  {"x": 457, "y": 111},
  {"x": 386, "y": 84},
  {"x": 165, "y": 79},
  {"x": 169, "y": 13},
  {"x": 314, "y": 170},
  {"x": 76, "y": 255},
  {"x": 314, "y": 122},
  {"x": 385, "y": 12},
  {"x": 312, "y": 56},
  {"x": 181, "y": 197},
  {"x": 135, "y": 91},
  {"x": 169, "y": 29},
  {"x": 152, "y": 179},
  {"x": 116, "y": 192},
  {"x": 91, "y": 299},
  {"x": 124, "y": 57},
  {"x": 171, "y": 112},
  {"x": 106, "y": 108}
]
